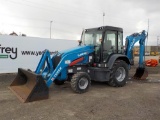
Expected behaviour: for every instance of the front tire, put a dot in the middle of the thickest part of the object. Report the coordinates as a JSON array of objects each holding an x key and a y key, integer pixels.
[
  {"x": 119, "y": 74},
  {"x": 80, "y": 82}
]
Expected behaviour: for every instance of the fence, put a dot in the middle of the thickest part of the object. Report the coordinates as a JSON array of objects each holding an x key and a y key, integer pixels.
[{"x": 25, "y": 52}]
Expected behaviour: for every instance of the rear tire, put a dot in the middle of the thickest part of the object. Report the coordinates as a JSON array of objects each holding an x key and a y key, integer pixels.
[
  {"x": 80, "y": 82},
  {"x": 119, "y": 74},
  {"x": 59, "y": 82}
]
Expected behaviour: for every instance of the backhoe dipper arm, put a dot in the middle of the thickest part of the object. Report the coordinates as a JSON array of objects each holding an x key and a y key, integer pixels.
[{"x": 131, "y": 40}]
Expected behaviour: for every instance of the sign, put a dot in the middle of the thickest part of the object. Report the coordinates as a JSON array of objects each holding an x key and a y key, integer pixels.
[{"x": 25, "y": 52}]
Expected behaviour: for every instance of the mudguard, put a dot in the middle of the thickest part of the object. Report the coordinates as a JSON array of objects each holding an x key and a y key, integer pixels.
[{"x": 114, "y": 57}]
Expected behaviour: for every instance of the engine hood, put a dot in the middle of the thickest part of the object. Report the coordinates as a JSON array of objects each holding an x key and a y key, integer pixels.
[{"x": 79, "y": 49}]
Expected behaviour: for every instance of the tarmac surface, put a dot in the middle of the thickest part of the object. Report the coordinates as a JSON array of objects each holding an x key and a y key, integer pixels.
[{"x": 138, "y": 100}]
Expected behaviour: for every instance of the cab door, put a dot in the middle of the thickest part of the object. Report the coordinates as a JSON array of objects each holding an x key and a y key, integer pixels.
[{"x": 109, "y": 44}]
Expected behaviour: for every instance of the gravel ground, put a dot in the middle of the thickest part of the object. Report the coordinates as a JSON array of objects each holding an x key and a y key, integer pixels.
[{"x": 138, "y": 100}]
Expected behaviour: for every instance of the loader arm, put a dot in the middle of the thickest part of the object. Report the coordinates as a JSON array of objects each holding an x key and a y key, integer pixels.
[
  {"x": 50, "y": 73},
  {"x": 45, "y": 58}
]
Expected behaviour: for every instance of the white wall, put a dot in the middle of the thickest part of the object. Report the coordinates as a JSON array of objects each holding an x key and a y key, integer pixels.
[{"x": 15, "y": 46}]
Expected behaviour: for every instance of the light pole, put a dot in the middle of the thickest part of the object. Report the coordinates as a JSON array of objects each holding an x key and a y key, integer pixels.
[
  {"x": 103, "y": 18},
  {"x": 157, "y": 43},
  {"x": 50, "y": 28}
]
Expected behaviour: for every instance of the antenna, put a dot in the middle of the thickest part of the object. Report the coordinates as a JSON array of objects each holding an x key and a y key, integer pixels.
[
  {"x": 147, "y": 33},
  {"x": 51, "y": 29},
  {"x": 148, "y": 26}
]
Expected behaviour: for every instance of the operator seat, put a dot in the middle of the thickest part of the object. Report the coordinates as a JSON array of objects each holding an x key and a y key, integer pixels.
[{"x": 107, "y": 49}]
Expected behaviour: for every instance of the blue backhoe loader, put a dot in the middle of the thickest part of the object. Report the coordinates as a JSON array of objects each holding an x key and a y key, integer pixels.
[{"x": 100, "y": 56}]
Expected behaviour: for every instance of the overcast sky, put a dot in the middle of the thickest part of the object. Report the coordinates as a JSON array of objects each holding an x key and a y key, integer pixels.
[{"x": 69, "y": 17}]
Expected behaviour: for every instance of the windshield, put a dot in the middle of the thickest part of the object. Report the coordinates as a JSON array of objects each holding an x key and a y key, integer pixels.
[{"x": 92, "y": 37}]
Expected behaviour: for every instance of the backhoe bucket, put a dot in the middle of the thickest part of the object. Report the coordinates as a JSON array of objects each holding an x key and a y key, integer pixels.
[
  {"x": 29, "y": 86},
  {"x": 141, "y": 74}
]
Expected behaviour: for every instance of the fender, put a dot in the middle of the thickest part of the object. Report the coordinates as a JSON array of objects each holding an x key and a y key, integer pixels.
[{"x": 114, "y": 57}]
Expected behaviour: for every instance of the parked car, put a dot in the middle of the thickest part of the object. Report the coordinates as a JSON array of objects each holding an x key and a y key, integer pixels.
[
  {"x": 147, "y": 53},
  {"x": 154, "y": 53}
]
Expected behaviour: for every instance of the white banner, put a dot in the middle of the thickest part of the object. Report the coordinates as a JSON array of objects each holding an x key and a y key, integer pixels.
[{"x": 25, "y": 52}]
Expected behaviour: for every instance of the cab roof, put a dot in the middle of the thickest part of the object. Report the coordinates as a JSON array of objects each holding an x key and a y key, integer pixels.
[{"x": 104, "y": 28}]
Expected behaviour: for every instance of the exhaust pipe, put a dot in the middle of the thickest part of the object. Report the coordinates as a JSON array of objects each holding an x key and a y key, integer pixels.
[{"x": 28, "y": 86}]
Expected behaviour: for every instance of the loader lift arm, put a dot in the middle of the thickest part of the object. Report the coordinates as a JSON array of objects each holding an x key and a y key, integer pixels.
[
  {"x": 45, "y": 58},
  {"x": 50, "y": 73}
]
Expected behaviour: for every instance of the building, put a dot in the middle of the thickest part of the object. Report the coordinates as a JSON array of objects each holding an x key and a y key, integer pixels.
[{"x": 149, "y": 50}]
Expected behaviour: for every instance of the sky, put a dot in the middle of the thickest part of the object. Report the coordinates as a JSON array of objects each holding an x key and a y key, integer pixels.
[{"x": 70, "y": 17}]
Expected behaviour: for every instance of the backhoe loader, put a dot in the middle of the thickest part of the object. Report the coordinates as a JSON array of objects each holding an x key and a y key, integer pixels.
[{"x": 100, "y": 56}]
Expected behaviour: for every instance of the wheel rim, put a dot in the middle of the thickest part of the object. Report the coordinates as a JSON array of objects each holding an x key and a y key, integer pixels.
[
  {"x": 120, "y": 74},
  {"x": 83, "y": 83}
]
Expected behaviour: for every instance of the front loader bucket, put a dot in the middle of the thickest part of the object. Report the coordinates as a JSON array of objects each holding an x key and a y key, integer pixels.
[
  {"x": 141, "y": 74},
  {"x": 29, "y": 86}
]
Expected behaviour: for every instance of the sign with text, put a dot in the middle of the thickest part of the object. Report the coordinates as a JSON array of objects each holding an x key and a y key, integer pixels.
[{"x": 25, "y": 52}]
